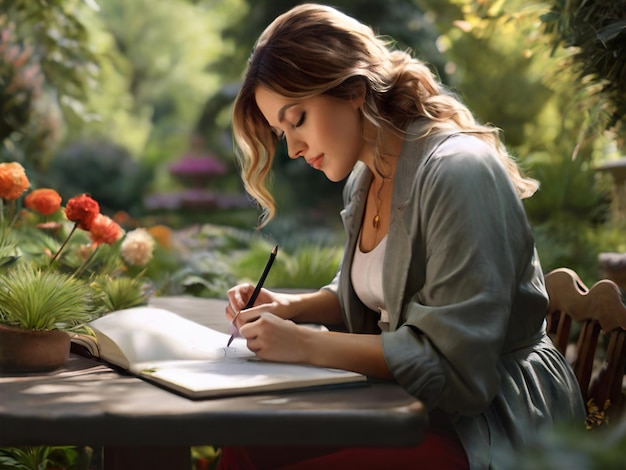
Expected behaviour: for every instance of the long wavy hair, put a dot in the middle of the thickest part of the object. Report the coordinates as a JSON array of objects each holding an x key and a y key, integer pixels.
[{"x": 313, "y": 50}]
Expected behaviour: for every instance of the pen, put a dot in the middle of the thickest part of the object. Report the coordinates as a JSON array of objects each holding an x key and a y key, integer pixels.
[{"x": 257, "y": 289}]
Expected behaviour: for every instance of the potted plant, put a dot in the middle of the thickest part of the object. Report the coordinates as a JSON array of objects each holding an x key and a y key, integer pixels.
[
  {"x": 37, "y": 309},
  {"x": 59, "y": 268}
]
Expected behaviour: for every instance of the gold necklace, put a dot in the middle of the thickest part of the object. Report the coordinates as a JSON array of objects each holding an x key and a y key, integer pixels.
[{"x": 378, "y": 202}]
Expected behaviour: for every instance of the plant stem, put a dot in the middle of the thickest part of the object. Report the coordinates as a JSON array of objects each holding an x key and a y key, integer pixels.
[
  {"x": 84, "y": 264},
  {"x": 56, "y": 255}
]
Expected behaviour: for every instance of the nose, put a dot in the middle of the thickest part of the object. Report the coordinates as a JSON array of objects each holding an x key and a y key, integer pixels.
[{"x": 295, "y": 148}]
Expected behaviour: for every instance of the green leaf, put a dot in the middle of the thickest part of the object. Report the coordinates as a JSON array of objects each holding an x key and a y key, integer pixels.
[{"x": 611, "y": 31}]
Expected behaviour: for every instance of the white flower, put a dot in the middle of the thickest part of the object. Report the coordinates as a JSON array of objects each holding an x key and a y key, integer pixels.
[{"x": 137, "y": 247}]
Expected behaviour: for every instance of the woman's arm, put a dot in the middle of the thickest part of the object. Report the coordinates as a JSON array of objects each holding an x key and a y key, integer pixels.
[
  {"x": 321, "y": 306},
  {"x": 275, "y": 339},
  {"x": 313, "y": 307}
]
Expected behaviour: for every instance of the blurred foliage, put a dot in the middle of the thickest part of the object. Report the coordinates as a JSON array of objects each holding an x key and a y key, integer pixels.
[
  {"x": 28, "y": 123},
  {"x": 46, "y": 457},
  {"x": 161, "y": 56},
  {"x": 161, "y": 52},
  {"x": 139, "y": 76},
  {"x": 205, "y": 457},
  {"x": 306, "y": 266},
  {"x": 570, "y": 210},
  {"x": 37, "y": 457},
  {"x": 573, "y": 448},
  {"x": 104, "y": 170},
  {"x": 55, "y": 33},
  {"x": 144, "y": 80},
  {"x": 200, "y": 261},
  {"x": 206, "y": 260},
  {"x": 498, "y": 60},
  {"x": 594, "y": 33},
  {"x": 397, "y": 18},
  {"x": 20, "y": 82},
  {"x": 490, "y": 61}
]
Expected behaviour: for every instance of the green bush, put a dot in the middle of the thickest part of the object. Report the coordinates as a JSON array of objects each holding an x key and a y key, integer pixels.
[
  {"x": 573, "y": 448},
  {"x": 102, "y": 169},
  {"x": 306, "y": 266}
]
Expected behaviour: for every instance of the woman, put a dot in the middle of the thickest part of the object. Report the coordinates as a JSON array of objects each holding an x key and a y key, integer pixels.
[{"x": 440, "y": 288}]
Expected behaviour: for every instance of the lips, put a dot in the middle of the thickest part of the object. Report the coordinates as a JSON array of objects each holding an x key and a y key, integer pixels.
[{"x": 316, "y": 162}]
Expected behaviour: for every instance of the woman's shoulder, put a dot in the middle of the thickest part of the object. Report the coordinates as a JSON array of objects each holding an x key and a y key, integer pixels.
[
  {"x": 463, "y": 153},
  {"x": 462, "y": 145},
  {"x": 444, "y": 152}
]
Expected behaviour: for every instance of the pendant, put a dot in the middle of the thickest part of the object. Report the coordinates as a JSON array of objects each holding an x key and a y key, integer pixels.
[{"x": 376, "y": 222}]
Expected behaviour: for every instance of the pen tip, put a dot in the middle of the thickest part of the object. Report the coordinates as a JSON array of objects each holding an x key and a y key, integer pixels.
[{"x": 275, "y": 250}]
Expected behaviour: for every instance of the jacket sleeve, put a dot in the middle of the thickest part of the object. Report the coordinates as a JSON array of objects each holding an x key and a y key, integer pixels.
[{"x": 476, "y": 245}]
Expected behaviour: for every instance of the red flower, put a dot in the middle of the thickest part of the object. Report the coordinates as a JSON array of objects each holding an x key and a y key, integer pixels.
[
  {"x": 13, "y": 181},
  {"x": 45, "y": 201},
  {"x": 82, "y": 210},
  {"x": 105, "y": 230}
]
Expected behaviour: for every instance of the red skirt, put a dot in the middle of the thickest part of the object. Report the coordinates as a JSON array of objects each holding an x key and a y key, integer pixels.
[{"x": 439, "y": 450}]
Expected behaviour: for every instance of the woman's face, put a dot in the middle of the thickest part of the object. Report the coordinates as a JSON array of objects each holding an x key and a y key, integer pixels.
[{"x": 325, "y": 131}]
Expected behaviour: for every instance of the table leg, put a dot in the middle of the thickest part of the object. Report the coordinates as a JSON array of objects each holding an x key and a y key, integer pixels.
[{"x": 147, "y": 458}]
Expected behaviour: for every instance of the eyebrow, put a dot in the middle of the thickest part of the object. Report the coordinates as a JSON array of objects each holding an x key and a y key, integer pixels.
[{"x": 281, "y": 111}]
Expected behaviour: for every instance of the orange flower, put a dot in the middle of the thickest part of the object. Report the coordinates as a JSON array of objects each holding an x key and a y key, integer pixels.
[
  {"x": 161, "y": 234},
  {"x": 13, "y": 181},
  {"x": 122, "y": 217},
  {"x": 45, "y": 201},
  {"x": 105, "y": 230},
  {"x": 82, "y": 210}
]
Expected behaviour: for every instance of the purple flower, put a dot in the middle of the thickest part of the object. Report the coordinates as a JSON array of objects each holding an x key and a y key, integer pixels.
[{"x": 197, "y": 166}]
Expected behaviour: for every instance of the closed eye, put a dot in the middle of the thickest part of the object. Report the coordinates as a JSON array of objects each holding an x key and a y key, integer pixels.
[
  {"x": 281, "y": 135},
  {"x": 301, "y": 120}
]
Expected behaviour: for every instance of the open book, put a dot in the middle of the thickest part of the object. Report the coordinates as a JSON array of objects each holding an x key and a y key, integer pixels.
[{"x": 193, "y": 360}]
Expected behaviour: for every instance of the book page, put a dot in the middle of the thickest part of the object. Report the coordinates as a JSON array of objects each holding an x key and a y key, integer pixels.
[
  {"x": 187, "y": 357},
  {"x": 85, "y": 345},
  {"x": 145, "y": 334},
  {"x": 237, "y": 372}
]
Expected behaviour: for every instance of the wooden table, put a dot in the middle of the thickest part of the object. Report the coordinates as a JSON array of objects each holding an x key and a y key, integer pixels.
[{"x": 142, "y": 426}]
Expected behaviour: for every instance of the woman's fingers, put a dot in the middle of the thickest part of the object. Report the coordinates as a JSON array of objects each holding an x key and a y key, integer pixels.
[
  {"x": 247, "y": 316},
  {"x": 237, "y": 298}
]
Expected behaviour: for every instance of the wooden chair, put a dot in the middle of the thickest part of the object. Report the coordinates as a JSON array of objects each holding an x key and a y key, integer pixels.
[{"x": 600, "y": 312}]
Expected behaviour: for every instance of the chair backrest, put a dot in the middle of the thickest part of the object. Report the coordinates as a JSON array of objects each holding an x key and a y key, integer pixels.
[{"x": 600, "y": 312}]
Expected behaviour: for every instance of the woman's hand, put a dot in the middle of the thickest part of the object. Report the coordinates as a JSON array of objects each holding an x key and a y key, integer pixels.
[
  {"x": 274, "y": 339},
  {"x": 267, "y": 300},
  {"x": 272, "y": 335}
]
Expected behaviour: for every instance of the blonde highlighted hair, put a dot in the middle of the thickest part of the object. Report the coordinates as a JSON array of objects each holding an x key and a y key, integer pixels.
[{"x": 314, "y": 49}]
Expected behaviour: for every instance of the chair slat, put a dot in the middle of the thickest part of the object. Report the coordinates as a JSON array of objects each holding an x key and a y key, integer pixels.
[{"x": 600, "y": 311}]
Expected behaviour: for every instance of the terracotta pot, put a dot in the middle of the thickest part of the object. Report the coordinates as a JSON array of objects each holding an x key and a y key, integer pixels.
[{"x": 32, "y": 351}]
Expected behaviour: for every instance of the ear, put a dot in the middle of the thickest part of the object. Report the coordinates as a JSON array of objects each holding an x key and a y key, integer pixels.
[{"x": 359, "y": 96}]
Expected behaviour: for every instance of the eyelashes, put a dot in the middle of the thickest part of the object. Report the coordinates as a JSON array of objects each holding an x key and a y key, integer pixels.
[
  {"x": 301, "y": 120},
  {"x": 281, "y": 135}
]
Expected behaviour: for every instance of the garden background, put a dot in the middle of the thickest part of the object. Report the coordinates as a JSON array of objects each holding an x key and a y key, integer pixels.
[{"x": 130, "y": 100}]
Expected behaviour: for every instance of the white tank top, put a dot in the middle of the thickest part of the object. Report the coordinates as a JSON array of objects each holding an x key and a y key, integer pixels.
[{"x": 367, "y": 277}]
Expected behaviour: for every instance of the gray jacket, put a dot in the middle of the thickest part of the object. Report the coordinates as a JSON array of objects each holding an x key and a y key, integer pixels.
[{"x": 465, "y": 296}]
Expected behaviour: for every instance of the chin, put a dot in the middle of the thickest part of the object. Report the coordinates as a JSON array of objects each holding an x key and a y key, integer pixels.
[
  {"x": 332, "y": 178},
  {"x": 335, "y": 177}
]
